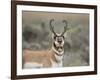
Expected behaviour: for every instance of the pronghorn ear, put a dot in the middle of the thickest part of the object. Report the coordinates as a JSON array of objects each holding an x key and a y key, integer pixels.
[
  {"x": 53, "y": 36},
  {"x": 64, "y": 35}
]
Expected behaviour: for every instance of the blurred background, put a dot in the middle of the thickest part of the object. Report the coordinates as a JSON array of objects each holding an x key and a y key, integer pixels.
[{"x": 36, "y": 34}]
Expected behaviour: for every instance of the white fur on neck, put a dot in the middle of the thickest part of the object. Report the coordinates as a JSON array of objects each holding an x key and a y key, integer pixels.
[
  {"x": 59, "y": 58},
  {"x": 57, "y": 51},
  {"x": 55, "y": 64}
]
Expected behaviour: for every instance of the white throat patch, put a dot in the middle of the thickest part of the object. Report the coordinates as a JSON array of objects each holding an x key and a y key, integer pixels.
[{"x": 59, "y": 53}]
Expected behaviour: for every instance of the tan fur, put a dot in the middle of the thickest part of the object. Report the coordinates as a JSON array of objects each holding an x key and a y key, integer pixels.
[{"x": 41, "y": 57}]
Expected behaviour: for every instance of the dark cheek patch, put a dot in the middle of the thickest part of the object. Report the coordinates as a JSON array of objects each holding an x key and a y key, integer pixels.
[
  {"x": 55, "y": 37},
  {"x": 63, "y": 37}
]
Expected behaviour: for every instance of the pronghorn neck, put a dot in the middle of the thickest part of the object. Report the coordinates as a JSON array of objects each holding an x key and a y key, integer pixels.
[
  {"x": 58, "y": 55},
  {"x": 56, "y": 50}
]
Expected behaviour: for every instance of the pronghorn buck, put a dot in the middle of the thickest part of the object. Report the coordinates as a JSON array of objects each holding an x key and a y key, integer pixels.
[{"x": 47, "y": 58}]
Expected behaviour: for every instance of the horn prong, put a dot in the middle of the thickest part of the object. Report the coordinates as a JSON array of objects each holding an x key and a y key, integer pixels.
[
  {"x": 51, "y": 27},
  {"x": 65, "y": 27}
]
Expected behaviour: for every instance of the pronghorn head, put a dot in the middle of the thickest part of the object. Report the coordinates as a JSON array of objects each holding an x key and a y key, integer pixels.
[{"x": 58, "y": 39}]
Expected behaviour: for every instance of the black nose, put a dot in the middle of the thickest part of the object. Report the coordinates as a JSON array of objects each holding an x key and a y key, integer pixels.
[{"x": 59, "y": 41}]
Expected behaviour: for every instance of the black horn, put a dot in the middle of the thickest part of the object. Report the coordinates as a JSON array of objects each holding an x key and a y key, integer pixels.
[
  {"x": 65, "y": 27},
  {"x": 51, "y": 27}
]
